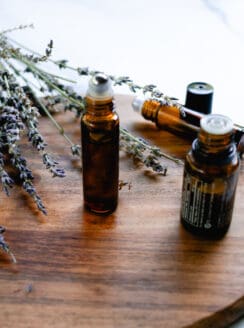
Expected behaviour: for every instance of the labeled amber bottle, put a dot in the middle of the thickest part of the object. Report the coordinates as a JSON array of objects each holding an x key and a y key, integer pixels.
[
  {"x": 178, "y": 119},
  {"x": 100, "y": 147},
  {"x": 210, "y": 178}
]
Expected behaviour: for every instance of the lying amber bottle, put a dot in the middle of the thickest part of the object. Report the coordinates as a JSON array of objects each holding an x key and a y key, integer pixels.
[
  {"x": 178, "y": 119},
  {"x": 210, "y": 178},
  {"x": 100, "y": 147}
]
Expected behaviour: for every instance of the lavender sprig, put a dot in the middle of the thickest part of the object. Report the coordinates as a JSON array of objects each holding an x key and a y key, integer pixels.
[
  {"x": 18, "y": 114},
  {"x": 10, "y": 123},
  {"x": 141, "y": 150},
  {"x": 26, "y": 176},
  {"x": 51, "y": 165},
  {"x": 17, "y": 28},
  {"x": 4, "y": 246},
  {"x": 6, "y": 181},
  {"x": 131, "y": 144},
  {"x": 7, "y": 51},
  {"x": 75, "y": 149}
]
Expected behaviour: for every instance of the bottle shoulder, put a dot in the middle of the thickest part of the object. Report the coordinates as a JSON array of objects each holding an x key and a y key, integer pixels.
[
  {"x": 206, "y": 167},
  {"x": 101, "y": 123},
  {"x": 93, "y": 118}
]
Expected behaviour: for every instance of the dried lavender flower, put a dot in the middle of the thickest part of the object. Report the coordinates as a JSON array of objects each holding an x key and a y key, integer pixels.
[
  {"x": 19, "y": 114},
  {"x": 83, "y": 71},
  {"x": 4, "y": 246},
  {"x": 76, "y": 150},
  {"x": 142, "y": 151},
  {"x": 6, "y": 181},
  {"x": 30, "y": 189},
  {"x": 62, "y": 63},
  {"x": 51, "y": 165},
  {"x": 26, "y": 176}
]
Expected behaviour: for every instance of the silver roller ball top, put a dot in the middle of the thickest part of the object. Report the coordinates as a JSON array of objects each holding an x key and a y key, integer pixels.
[{"x": 100, "y": 86}]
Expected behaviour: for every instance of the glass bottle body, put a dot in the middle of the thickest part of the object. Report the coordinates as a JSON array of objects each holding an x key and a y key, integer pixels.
[
  {"x": 100, "y": 156},
  {"x": 181, "y": 120},
  {"x": 209, "y": 185},
  {"x": 172, "y": 118}
]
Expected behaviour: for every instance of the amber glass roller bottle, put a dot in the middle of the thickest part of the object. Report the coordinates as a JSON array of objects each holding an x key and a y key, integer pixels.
[
  {"x": 100, "y": 147},
  {"x": 178, "y": 119}
]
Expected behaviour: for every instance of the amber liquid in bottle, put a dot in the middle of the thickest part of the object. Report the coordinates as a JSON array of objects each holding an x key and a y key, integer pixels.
[
  {"x": 100, "y": 155},
  {"x": 178, "y": 120},
  {"x": 171, "y": 118},
  {"x": 210, "y": 179}
]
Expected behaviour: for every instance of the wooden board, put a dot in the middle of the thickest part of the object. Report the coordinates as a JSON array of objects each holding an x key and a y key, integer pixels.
[{"x": 136, "y": 268}]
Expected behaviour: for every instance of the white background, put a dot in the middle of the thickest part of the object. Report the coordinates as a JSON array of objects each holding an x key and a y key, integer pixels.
[{"x": 167, "y": 43}]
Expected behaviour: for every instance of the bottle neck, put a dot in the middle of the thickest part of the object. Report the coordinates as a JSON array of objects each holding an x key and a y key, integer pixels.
[
  {"x": 214, "y": 148},
  {"x": 150, "y": 110},
  {"x": 99, "y": 107}
]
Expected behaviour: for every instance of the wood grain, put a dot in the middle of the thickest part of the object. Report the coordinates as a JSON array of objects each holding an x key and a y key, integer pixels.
[
  {"x": 223, "y": 318},
  {"x": 136, "y": 268}
]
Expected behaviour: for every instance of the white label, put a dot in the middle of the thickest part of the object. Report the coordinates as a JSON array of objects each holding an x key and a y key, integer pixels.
[{"x": 207, "y": 204}]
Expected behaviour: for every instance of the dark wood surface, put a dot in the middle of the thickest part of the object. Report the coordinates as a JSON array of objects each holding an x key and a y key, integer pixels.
[{"x": 136, "y": 268}]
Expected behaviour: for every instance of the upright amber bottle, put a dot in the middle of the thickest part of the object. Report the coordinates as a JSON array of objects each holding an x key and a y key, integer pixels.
[
  {"x": 100, "y": 147},
  {"x": 210, "y": 178}
]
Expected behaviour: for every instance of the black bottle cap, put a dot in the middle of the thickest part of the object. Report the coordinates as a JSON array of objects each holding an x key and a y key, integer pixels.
[{"x": 199, "y": 97}]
